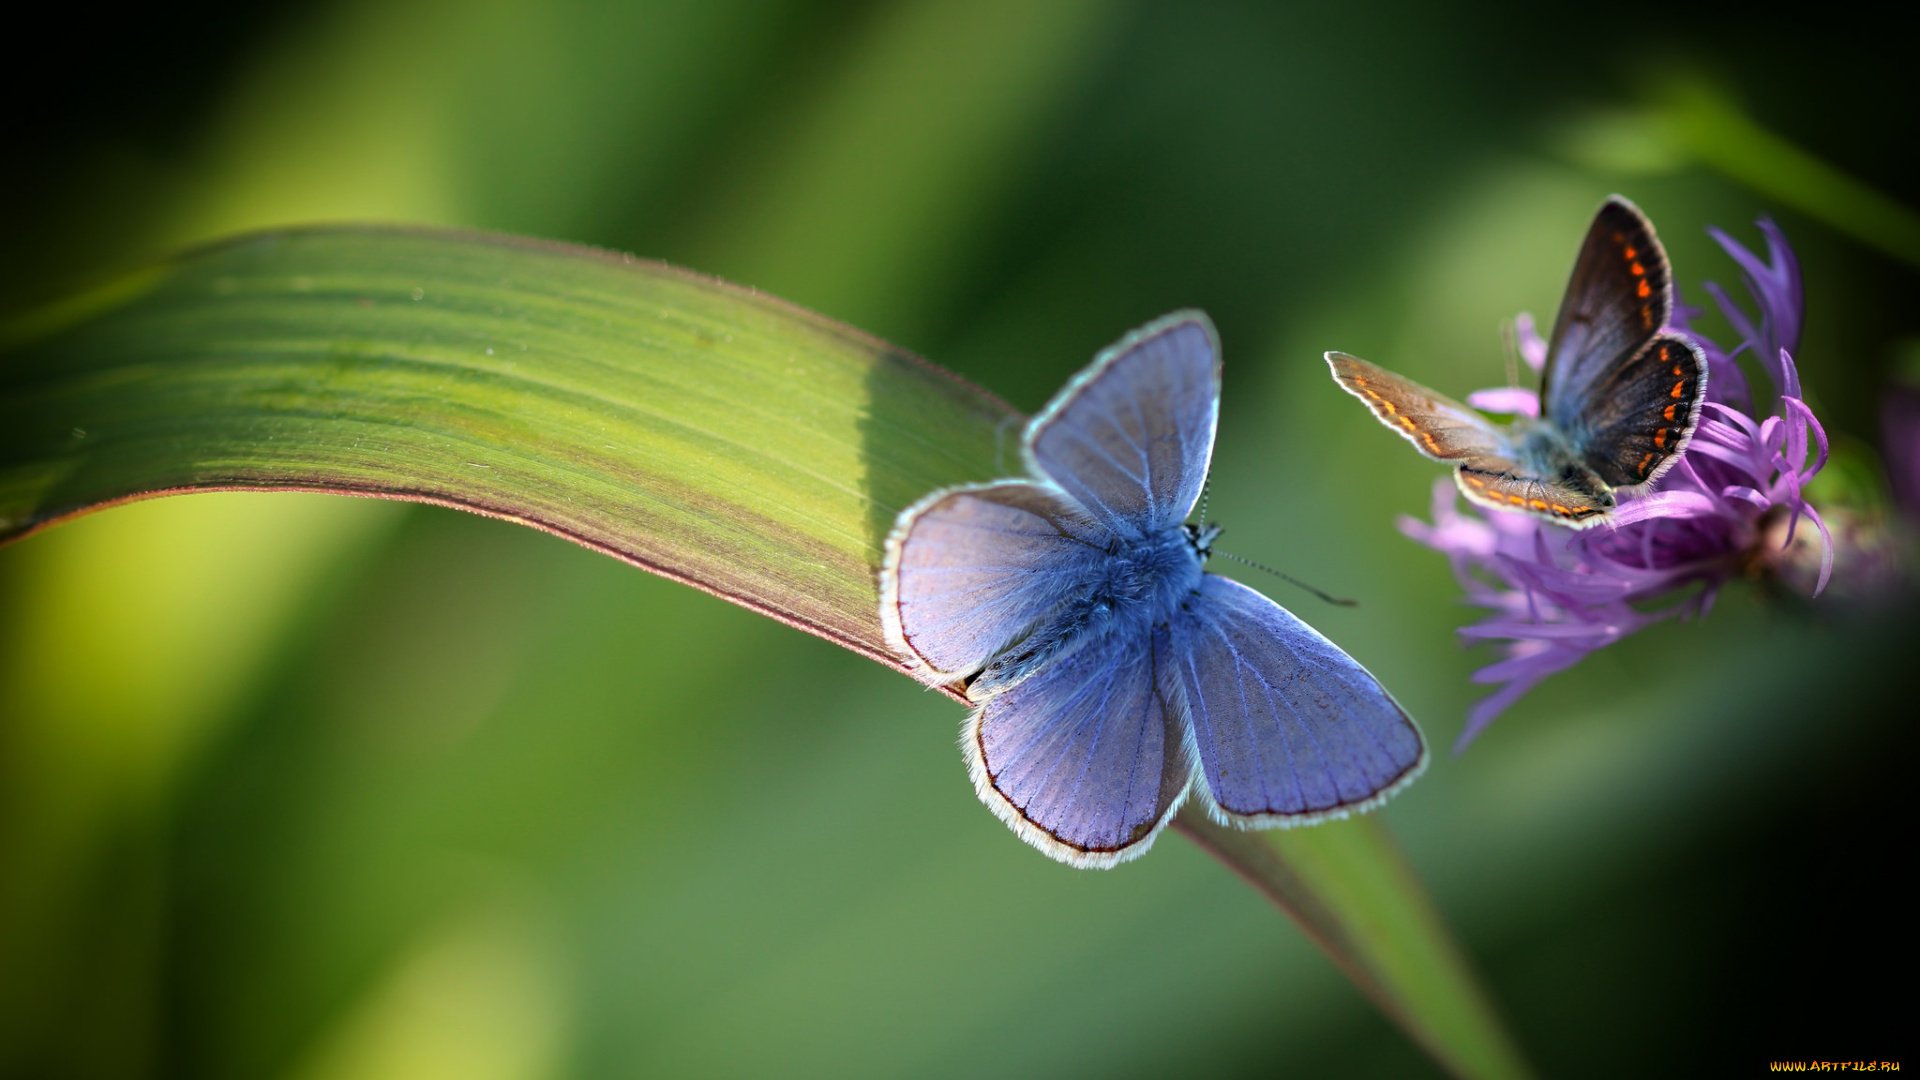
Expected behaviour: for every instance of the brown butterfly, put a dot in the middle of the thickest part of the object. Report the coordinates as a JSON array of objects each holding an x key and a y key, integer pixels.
[{"x": 1619, "y": 396}]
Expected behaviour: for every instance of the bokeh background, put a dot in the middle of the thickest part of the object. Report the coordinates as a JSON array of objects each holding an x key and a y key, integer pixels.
[{"x": 312, "y": 788}]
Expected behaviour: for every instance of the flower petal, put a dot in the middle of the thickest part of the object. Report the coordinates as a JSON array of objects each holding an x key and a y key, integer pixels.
[
  {"x": 1799, "y": 408},
  {"x": 1674, "y": 504},
  {"x": 1533, "y": 347},
  {"x": 1512, "y": 400},
  {"x": 1826, "y": 551},
  {"x": 1598, "y": 633}
]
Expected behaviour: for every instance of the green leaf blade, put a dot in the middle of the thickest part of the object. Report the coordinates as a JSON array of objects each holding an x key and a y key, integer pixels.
[
  {"x": 1349, "y": 887},
  {"x": 706, "y": 432}
]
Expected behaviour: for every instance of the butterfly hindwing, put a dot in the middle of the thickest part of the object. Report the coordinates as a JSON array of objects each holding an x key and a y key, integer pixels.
[
  {"x": 1130, "y": 437},
  {"x": 1086, "y": 759},
  {"x": 1619, "y": 296},
  {"x": 1535, "y": 484},
  {"x": 1643, "y": 412},
  {"x": 1289, "y": 728}
]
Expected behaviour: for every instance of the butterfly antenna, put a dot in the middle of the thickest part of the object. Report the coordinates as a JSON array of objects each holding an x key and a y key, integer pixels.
[{"x": 1294, "y": 581}]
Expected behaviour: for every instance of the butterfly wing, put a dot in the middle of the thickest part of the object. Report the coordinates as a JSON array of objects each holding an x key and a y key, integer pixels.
[
  {"x": 969, "y": 570},
  {"x": 1641, "y": 413},
  {"x": 1544, "y": 486},
  {"x": 1491, "y": 470},
  {"x": 1436, "y": 425},
  {"x": 1620, "y": 295},
  {"x": 1131, "y": 436},
  {"x": 1085, "y": 759},
  {"x": 1289, "y": 728}
]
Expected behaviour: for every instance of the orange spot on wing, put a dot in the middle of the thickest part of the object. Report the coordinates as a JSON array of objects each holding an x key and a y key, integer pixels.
[
  {"x": 1388, "y": 405},
  {"x": 1630, "y": 253},
  {"x": 1516, "y": 500},
  {"x": 1643, "y": 464},
  {"x": 1645, "y": 289},
  {"x": 1660, "y": 438},
  {"x": 1638, "y": 270},
  {"x": 1537, "y": 504},
  {"x": 1669, "y": 411},
  {"x": 1407, "y": 423},
  {"x": 1677, "y": 387},
  {"x": 1360, "y": 382}
]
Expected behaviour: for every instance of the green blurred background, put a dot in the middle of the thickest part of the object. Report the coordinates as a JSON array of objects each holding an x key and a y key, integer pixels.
[{"x": 304, "y": 787}]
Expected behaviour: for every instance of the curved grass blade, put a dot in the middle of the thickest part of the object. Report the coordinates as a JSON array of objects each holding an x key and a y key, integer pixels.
[
  {"x": 1351, "y": 890},
  {"x": 705, "y": 432},
  {"x": 715, "y": 435}
]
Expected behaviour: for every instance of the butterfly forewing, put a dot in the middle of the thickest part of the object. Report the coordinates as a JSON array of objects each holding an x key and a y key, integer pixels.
[
  {"x": 971, "y": 569},
  {"x": 1130, "y": 437},
  {"x": 1085, "y": 759},
  {"x": 1644, "y": 411},
  {"x": 1491, "y": 470},
  {"x": 1436, "y": 425},
  {"x": 1288, "y": 727},
  {"x": 1620, "y": 295}
]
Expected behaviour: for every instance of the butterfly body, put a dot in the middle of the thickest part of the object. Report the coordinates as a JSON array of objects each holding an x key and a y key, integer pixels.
[
  {"x": 1619, "y": 396},
  {"x": 1136, "y": 586},
  {"x": 1547, "y": 450},
  {"x": 1111, "y": 677}
]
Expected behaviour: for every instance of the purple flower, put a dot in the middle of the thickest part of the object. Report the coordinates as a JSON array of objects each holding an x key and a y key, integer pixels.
[
  {"x": 1775, "y": 286},
  {"x": 1732, "y": 507}
]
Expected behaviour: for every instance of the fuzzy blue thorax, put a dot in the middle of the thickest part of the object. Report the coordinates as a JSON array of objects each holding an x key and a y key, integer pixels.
[{"x": 1138, "y": 586}]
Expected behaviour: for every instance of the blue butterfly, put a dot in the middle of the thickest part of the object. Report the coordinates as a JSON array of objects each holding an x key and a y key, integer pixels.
[{"x": 1111, "y": 678}]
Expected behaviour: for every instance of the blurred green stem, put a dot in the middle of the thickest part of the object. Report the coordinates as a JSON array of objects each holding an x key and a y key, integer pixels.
[{"x": 1703, "y": 122}]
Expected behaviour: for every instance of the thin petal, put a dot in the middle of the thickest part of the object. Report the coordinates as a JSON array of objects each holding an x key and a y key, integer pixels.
[
  {"x": 1734, "y": 458},
  {"x": 1785, "y": 294},
  {"x": 1533, "y": 666},
  {"x": 1511, "y": 400},
  {"x": 1734, "y": 316},
  {"x": 1736, "y": 418},
  {"x": 1789, "y": 375},
  {"x": 1598, "y": 633},
  {"x": 1799, "y": 407},
  {"x": 1674, "y": 504},
  {"x": 1826, "y": 551},
  {"x": 1533, "y": 347}
]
